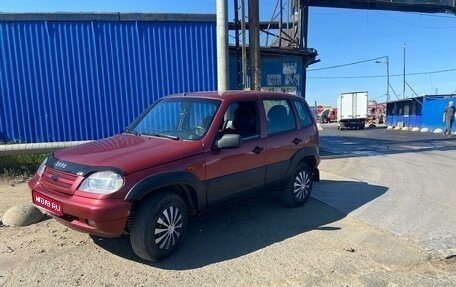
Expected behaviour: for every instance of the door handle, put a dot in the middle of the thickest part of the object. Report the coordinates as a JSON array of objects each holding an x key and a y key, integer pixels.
[
  {"x": 258, "y": 149},
  {"x": 296, "y": 141}
]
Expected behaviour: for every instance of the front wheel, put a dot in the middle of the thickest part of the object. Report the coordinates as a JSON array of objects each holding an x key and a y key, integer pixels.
[
  {"x": 159, "y": 225},
  {"x": 299, "y": 187}
]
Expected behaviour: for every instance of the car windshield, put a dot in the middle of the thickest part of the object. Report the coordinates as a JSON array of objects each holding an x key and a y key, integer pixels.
[{"x": 176, "y": 118}]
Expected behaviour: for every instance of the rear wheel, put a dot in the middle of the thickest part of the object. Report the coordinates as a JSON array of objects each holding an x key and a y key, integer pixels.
[
  {"x": 159, "y": 226},
  {"x": 299, "y": 187}
]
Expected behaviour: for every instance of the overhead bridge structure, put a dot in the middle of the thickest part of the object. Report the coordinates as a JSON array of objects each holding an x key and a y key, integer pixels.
[{"x": 422, "y": 6}]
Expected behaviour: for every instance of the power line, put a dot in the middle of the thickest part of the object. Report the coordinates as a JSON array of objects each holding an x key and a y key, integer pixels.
[
  {"x": 413, "y": 25},
  {"x": 344, "y": 65},
  {"x": 383, "y": 76},
  {"x": 432, "y": 72}
]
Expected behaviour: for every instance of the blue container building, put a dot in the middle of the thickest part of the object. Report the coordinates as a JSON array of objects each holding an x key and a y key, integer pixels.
[{"x": 419, "y": 112}]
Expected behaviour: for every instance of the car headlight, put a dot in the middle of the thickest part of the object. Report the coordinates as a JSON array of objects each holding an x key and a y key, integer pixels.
[
  {"x": 103, "y": 182},
  {"x": 42, "y": 166}
]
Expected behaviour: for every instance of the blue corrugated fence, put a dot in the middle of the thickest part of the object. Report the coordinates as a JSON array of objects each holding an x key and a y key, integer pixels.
[{"x": 80, "y": 80}]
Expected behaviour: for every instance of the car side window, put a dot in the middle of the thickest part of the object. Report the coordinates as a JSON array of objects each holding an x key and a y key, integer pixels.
[
  {"x": 279, "y": 115},
  {"x": 305, "y": 117},
  {"x": 242, "y": 118}
]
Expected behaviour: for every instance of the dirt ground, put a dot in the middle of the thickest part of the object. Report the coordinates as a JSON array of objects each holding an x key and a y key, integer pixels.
[{"x": 257, "y": 242}]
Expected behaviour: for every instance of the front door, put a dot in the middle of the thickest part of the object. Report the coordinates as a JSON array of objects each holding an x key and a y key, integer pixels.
[{"x": 233, "y": 173}]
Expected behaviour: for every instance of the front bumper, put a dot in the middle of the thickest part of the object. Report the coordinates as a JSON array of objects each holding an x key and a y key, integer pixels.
[{"x": 102, "y": 217}]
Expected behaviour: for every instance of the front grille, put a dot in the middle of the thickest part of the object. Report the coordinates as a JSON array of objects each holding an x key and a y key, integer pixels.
[{"x": 59, "y": 181}]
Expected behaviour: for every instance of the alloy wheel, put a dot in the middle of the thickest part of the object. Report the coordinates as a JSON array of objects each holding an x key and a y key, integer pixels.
[
  {"x": 168, "y": 228},
  {"x": 301, "y": 185}
]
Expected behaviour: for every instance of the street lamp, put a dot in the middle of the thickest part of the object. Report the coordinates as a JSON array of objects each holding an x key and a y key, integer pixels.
[
  {"x": 403, "y": 91},
  {"x": 386, "y": 61}
]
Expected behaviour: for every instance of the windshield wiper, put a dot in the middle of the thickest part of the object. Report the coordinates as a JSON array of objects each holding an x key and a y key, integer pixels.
[
  {"x": 130, "y": 131},
  {"x": 165, "y": 136}
]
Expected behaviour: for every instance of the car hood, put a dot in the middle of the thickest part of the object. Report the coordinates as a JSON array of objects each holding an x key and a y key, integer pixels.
[{"x": 130, "y": 153}]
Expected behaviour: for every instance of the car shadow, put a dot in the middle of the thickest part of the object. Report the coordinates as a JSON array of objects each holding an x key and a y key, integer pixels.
[
  {"x": 346, "y": 196},
  {"x": 245, "y": 227}
]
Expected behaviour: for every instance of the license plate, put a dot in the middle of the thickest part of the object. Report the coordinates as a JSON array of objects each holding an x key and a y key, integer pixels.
[{"x": 47, "y": 203}]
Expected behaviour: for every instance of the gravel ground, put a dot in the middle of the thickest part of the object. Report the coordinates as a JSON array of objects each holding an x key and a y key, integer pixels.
[{"x": 257, "y": 242}]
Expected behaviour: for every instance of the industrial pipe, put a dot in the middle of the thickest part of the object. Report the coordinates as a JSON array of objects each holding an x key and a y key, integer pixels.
[
  {"x": 254, "y": 44},
  {"x": 17, "y": 149},
  {"x": 222, "y": 46}
]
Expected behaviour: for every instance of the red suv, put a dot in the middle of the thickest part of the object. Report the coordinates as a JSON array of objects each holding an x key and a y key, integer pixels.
[{"x": 186, "y": 153}]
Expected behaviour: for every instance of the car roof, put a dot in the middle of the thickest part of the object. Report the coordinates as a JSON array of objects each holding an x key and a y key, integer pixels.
[{"x": 235, "y": 95}]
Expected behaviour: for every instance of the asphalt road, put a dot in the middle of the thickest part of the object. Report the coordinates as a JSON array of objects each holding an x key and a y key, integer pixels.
[{"x": 405, "y": 182}]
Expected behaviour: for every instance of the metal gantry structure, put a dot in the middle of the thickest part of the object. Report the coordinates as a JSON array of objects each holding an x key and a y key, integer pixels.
[
  {"x": 288, "y": 26},
  {"x": 283, "y": 30}
]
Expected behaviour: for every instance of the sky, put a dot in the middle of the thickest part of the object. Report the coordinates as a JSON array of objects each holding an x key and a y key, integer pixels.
[{"x": 349, "y": 44}]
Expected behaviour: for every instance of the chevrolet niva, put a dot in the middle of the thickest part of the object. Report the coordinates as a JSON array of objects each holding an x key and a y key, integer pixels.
[{"x": 185, "y": 154}]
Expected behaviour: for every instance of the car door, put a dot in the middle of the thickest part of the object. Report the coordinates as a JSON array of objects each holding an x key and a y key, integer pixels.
[
  {"x": 283, "y": 141},
  {"x": 233, "y": 173}
]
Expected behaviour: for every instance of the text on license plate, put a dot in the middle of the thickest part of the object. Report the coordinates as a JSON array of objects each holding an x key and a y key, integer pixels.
[{"x": 47, "y": 203}]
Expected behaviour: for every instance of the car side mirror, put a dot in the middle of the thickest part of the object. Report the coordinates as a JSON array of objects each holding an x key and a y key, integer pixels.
[{"x": 229, "y": 141}]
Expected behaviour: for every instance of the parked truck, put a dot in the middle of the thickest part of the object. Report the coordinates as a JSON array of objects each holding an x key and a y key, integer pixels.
[{"x": 352, "y": 110}]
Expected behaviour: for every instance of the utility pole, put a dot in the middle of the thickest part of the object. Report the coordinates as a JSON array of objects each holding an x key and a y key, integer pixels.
[
  {"x": 403, "y": 89},
  {"x": 387, "y": 80},
  {"x": 304, "y": 27},
  {"x": 254, "y": 43},
  {"x": 387, "y": 76},
  {"x": 222, "y": 46}
]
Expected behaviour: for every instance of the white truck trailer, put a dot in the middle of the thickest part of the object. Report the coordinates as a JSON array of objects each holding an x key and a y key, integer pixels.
[{"x": 352, "y": 110}]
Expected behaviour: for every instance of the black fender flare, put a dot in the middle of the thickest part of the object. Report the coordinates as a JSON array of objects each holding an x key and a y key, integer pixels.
[
  {"x": 158, "y": 181},
  {"x": 300, "y": 156}
]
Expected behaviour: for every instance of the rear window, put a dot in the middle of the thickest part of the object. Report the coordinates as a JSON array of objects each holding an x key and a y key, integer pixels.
[
  {"x": 305, "y": 117},
  {"x": 279, "y": 115}
]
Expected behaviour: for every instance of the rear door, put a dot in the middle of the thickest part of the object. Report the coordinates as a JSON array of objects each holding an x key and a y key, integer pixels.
[{"x": 288, "y": 132}]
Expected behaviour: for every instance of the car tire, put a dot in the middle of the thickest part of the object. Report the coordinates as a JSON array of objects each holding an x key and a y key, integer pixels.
[
  {"x": 299, "y": 187},
  {"x": 159, "y": 226}
]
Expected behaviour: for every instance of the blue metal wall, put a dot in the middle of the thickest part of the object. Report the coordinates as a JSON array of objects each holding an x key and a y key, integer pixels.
[
  {"x": 433, "y": 113},
  {"x": 87, "y": 79},
  {"x": 408, "y": 121}
]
